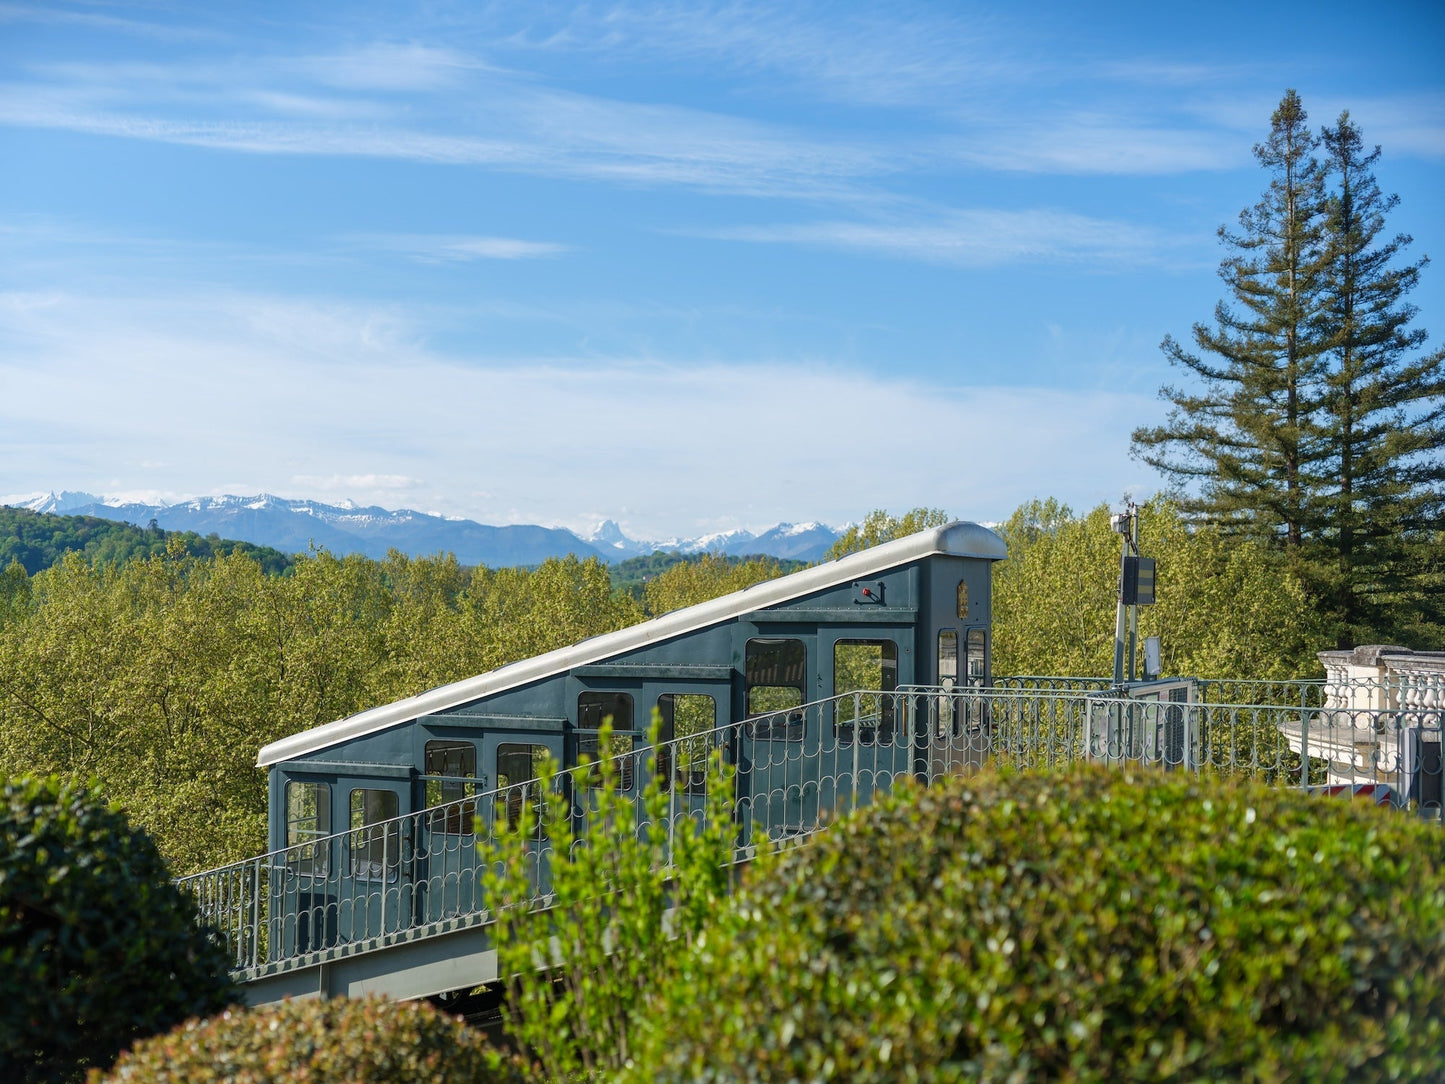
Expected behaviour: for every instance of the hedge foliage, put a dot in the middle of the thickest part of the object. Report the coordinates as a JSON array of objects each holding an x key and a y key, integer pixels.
[
  {"x": 339, "y": 1041},
  {"x": 1087, "y": 926},
  {"x": 97, "y": 947},
  {"x": 628, "y": 896}
]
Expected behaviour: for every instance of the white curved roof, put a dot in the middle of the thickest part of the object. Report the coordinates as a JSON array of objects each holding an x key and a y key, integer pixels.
[{"x": 955, "y": 539}]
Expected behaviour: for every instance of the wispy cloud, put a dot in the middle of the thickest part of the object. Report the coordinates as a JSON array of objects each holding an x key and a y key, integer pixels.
[
  {"x": 517, "y": 127},
  {"x": 1154, "y": 72},
  {"x": 325, "y": 484},
  {"x": 387, "y": 66},
  {"x": 973, "y": 238},
  {"x": 57, "y": 15},
  {"x": 444, "y": 248},
  {"x": 1098, "y": 143},
  {"x": 904, "y": 57}
]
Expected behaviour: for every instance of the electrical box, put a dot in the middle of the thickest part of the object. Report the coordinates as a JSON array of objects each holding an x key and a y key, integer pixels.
[{"x": 1151, "y": 658}]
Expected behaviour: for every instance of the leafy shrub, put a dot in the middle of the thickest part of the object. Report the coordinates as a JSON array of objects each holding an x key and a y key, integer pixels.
[
  {"x": 625, "y": 900},
  {"x": 1089, "y": 925},
  {"x": 97, "y": 947},
  {"x": 318, "y": 1042}
]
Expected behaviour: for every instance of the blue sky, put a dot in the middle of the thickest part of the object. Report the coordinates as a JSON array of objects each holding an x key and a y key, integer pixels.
[{"x": 688, "y": 266}]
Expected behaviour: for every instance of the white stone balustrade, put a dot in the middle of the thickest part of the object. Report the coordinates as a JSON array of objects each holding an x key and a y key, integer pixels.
[{"x": 1384, "y": 678}]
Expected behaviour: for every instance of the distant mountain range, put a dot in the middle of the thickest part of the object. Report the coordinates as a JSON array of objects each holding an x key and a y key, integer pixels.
[{"x": 293, "y": 525}]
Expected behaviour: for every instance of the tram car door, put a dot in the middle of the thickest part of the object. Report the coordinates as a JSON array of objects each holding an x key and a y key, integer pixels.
[
  {"x": 345, "y": 874},
  {"x": 447, "y": 868},
  {"x": 958, "y": 726},
  {"x": 779, "y": 741},
  {"x": 305, "y": 878},
  {"x": 376, "y": 849},
  {"x": 864, "y": 742},
  {"x": 513, "y": 761},
  {"x": 692, "y": 716}
]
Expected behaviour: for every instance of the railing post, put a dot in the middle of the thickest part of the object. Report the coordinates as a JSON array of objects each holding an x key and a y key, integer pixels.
[
  {"x": 385, "y": 865},
  {"x": 255, "y": 912},
  {"x": 674, "y": 752},
  {"x": 857, "y": 740},
  {"x": 1304, "y": 750}
]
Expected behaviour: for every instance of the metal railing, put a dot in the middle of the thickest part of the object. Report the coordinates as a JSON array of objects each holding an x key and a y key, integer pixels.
[
  {"x": 1052, "y": 683},
  {"x": 792, "y": 772}
]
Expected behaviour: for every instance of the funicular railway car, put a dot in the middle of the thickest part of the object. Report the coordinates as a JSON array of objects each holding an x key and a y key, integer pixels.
[{"x": 373, "y": 817}]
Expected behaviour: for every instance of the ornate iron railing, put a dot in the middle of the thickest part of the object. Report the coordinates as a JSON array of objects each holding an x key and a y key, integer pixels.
[{"x": 795, "y": 770}]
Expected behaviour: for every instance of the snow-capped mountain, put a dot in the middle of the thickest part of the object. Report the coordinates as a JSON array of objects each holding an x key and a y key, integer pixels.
[
  {"x": 608, "y": 538},
  {"x": 804, "y": 542},
  {"x": 294, "y": 525},
  {"x": 801, "y": 541}
]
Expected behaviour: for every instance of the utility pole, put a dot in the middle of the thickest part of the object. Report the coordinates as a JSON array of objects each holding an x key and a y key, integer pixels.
[{"x": 1126, "y": 622}]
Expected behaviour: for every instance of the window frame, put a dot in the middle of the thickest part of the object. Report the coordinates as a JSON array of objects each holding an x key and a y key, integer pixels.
[
  {"x": 520, "y": 791},
  {"x": 976, "y": 675},
  {"x": 881, "y": 733},
  {"x": 316, "y": 862},
  {"x": 785, "y": 723},
  {"x": 589, "y": 744},
  {"x": 690, "y": 778},
  {"x": 446, "y": 792},
  {"x": 364, "y": 839},
  {"x": 590, "y": 716}
]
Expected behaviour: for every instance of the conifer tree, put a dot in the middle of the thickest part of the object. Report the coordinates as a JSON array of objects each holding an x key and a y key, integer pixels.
[
  {"x": 1382, "y": 423},
  {"x": 1244, "y": 436},
  {"x": 1317, "y": 423}
]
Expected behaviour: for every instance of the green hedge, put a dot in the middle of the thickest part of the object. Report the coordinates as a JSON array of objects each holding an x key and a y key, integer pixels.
[
  {"x": 1089, "y": 926},
  {"x": 97, "y": 947},
  {"x": 319, "y": 1042}
]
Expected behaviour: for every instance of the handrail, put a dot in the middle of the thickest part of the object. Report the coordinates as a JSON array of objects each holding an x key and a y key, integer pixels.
[{"x": 793, "y": 771}]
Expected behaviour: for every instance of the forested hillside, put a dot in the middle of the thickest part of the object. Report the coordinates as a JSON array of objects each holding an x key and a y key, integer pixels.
[
  {"x": 163, "y": 675},
  {"x": 38, "y": 539}
]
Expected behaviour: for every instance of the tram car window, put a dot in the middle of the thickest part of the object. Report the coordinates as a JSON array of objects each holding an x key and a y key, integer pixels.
[
  {"x": 868, "y": 668},
  {"x": 775, "y": 672},
  {"x": 451, "y": 775},
  {"x": 375, "y": 844},
  {"x": 686, "y": 720},
  {"x": 518, "y": 769},
  {"x": 308, "y": 818}
]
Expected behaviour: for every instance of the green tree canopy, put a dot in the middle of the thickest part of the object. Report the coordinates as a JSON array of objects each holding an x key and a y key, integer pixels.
[
  {"x": 634, "y": 574},
  {"x": 1242, "y": 435},
  {"x": 38, "y": 539},
  {"x": 1226, "y": 606},
  {"x": 879, "y": 527},
  {"x": 709, "y": 576}
]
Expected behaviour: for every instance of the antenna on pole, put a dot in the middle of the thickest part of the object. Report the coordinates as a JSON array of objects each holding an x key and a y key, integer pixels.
[
  {"x": 1123, "y": 525},
  {"x": 1136, "y": 588}
]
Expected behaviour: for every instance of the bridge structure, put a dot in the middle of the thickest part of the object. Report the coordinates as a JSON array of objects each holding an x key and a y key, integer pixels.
[{"x": 398, "y": 907}]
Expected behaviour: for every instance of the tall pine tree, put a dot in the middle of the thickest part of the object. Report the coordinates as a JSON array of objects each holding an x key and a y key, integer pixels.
[
  {"x": 1382, "y": 422},
  {"x": 1244, "y": 438},
  {"x": 1319, "y": 426}
]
